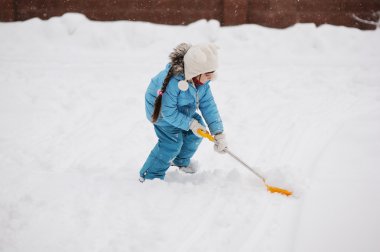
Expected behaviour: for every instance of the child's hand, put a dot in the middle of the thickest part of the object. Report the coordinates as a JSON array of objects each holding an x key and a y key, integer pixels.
[
  {"x": 195, "y": 126},
  {"x": 220, "y": 143}
]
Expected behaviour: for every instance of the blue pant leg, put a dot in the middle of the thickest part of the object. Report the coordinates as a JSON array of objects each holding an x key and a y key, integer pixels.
[
  {"x": 190, "y": 145},
  {"x": 169, "y": 144}
]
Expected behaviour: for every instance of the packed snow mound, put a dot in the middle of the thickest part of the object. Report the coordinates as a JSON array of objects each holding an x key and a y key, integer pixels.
[{"x": 301, "y": 105}]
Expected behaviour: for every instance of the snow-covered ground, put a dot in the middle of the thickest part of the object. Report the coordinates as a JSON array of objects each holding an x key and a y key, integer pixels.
[{"x": 301, "y": 104}]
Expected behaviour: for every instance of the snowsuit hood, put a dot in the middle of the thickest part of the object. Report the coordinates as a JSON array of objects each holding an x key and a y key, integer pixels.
[{"x": 177, "y": 58}]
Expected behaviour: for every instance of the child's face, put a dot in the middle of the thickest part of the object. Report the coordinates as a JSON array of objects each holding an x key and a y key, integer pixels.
[{"x": 206, "y": 77}]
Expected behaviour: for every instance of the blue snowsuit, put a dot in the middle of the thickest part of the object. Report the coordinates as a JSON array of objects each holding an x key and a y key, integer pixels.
[{"x": 176, "y": 142}]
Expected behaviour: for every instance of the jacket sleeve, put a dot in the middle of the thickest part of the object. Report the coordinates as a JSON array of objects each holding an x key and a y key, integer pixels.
[
  {"x": 210, "y": 112},
  {"x": 169, "y": 107}
]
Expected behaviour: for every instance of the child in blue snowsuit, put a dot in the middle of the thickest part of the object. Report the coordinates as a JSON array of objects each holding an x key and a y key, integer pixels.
[{"x": 171, "y": 101}]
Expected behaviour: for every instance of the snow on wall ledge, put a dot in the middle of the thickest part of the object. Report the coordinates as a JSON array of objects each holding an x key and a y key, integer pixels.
[{"x": 301, "y": 104}]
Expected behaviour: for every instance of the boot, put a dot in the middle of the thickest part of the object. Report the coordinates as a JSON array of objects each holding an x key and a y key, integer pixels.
[{"x": 191, "y": 168}]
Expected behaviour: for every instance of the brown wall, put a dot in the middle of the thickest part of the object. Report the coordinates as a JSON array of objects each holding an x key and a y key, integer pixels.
[{"x": 271, "y": 13}]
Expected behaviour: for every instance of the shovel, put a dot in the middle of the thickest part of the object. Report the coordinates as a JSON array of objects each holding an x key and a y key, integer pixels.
[{"x": 270, "y": 188}]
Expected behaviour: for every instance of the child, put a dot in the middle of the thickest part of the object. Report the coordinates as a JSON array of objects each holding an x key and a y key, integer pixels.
[{"x": 171, "y": 101}]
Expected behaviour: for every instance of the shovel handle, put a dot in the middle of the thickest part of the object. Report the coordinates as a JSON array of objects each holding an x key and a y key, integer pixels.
[
  {"x": 271, "y": 189},
  {"x": 206, "y": 134}
]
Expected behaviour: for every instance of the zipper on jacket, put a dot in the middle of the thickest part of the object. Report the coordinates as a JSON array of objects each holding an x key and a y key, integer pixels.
[{"x": 196, "y": 95}]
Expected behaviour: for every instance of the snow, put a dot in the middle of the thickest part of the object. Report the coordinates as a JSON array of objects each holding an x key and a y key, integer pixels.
[{"x": 301, "y": 105}]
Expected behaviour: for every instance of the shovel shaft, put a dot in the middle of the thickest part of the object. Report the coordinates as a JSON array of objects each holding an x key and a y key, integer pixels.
[
  {"x": 245, "y": 165},
  {"x": 207, "y": 135},
  {"x": 271, "y": 189}
]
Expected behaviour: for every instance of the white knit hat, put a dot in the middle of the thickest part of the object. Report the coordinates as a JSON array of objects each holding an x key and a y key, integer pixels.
[{"x": 200, "y": 59}]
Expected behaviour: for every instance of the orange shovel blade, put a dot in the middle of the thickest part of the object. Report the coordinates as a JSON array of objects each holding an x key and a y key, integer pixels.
[{"x": 274, "y": 189}]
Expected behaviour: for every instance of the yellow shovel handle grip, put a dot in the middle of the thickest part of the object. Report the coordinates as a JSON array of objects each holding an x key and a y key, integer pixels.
[{"x": 205, "y": 134}]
